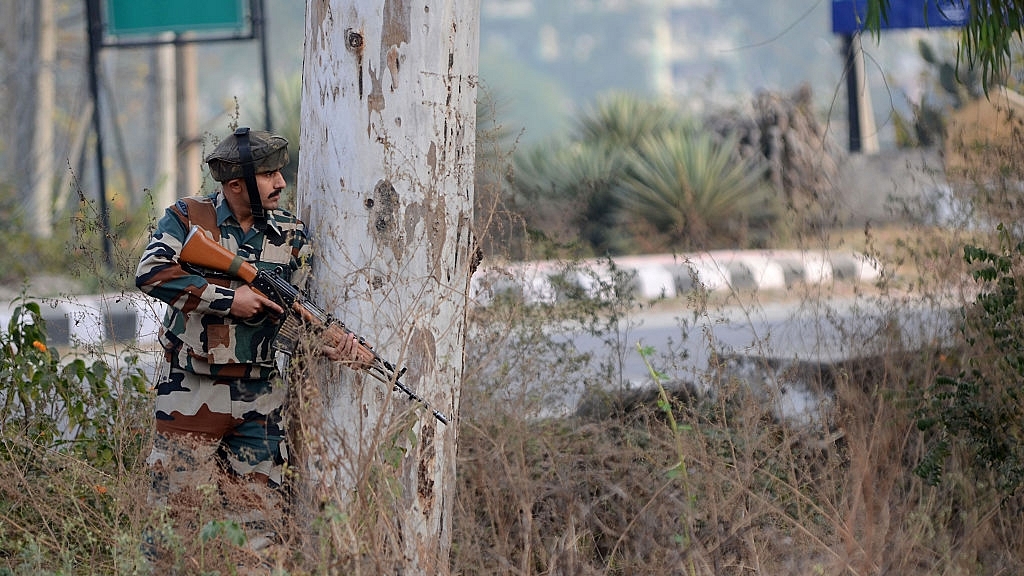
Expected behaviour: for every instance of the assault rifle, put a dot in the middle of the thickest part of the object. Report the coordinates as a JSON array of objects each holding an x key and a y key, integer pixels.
[{"x": 200, "y": 250}]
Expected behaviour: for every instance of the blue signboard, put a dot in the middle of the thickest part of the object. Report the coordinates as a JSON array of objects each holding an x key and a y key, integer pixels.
[{"x": 848, "y": 15}]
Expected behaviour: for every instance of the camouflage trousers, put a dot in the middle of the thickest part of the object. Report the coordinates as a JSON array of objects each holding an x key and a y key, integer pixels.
[{"x": 224, "y": 437}]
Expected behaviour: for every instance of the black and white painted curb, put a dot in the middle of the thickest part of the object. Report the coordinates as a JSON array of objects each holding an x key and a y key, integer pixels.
[
  {"x": 669, "y": 276},
  {"x": 95, "y": 319},
  {"x": 135, "y": 317}
]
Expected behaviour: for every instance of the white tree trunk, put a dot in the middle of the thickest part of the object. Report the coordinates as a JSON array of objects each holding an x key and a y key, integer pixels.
[
  {"x": 167, "y": 127},
  {"x": 42, "y": 158},
  {"x": 190, "y": 160},
  {"x": 386, "y": 185}
]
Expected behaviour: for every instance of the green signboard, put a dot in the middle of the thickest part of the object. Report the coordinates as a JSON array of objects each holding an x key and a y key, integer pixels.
[{"x": 154, "y": 16}]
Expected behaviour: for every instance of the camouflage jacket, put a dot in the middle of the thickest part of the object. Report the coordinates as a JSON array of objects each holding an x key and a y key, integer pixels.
[{"x": 198, "y": 333}]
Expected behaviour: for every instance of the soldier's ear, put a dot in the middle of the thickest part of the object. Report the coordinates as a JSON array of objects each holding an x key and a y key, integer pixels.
[{"x": 234, "y": 185}]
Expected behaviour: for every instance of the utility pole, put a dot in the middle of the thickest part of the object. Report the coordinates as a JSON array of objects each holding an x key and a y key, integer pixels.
[
  {"x": 863, "y": 134},
  {"x": 95, "y": 34},
  {"x": 386, "y": 185}
]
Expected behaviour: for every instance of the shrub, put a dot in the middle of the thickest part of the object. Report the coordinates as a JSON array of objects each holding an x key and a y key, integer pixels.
[
  {"x": 979, "y": 409},
  {"x": 70, "y": 444}
]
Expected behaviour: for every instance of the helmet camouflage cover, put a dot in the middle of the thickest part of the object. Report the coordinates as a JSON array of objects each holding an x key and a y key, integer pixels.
[{"x": 269, "y": 153}]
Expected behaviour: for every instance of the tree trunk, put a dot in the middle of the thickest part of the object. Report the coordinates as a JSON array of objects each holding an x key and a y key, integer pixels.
[
  {"x": 190, "y": 158},
  {"x": 386, "y": 185},
  {"x": 166, "y": 191},
  {"x": 42, "y": 159}
]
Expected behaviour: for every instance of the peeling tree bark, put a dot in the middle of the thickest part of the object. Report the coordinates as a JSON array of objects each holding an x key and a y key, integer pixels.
[{"x": 386, "y": 185}]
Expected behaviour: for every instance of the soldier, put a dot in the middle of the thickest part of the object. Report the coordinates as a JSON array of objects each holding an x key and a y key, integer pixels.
[{"x": 220, "y": 395}]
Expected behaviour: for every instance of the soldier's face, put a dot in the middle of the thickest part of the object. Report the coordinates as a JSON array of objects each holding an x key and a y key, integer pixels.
[{"x": 271, "y": 184}]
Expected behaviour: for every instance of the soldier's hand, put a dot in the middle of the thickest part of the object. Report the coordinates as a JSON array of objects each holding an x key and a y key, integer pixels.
[
  {"x": 349, "y": 351},
  {"x": 249, "y": 303}
]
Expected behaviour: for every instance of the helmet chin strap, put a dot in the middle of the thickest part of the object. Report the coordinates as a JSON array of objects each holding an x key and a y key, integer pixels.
[{"x": 249, "y": 175}]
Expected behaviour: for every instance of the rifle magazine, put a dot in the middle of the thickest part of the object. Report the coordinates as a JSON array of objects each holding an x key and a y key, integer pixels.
[{"x": 289, "y": 335}]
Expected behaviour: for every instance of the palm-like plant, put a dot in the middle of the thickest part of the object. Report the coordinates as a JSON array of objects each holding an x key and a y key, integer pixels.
[
  {"x": 691, "y": 188},
  {"x": 569, "y": 185},
  {"x": 637, "y": 174},
  {"x": 623, "y": 120},
  {"x": 566, "y": 190}
]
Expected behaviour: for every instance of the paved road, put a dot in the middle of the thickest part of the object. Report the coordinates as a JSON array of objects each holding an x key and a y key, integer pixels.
[
  {"x": 825, "y": 332},
  {"x": 787, "y": 333}
]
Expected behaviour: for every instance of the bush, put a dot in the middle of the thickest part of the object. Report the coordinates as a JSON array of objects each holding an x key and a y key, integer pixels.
[
  {"x": 71, "y": 436},
  {"x": 979, "y": 410}
]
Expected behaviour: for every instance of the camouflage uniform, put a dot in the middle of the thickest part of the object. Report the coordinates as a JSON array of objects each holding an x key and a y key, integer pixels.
[{"x": 222, "y": 399}]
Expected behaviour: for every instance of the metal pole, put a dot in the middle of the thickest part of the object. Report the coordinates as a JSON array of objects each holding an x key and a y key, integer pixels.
[
  {"x": 95, "y": 38},
  {"x": 259, "y": 22},
  {"x": 853, "y": 95}
]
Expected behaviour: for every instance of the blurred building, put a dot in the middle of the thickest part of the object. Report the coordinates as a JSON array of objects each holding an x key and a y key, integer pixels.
[{"x": 701, "y": 53}]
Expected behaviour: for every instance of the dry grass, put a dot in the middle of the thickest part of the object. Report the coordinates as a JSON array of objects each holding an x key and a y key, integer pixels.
[{"x": 709, "y": 483}]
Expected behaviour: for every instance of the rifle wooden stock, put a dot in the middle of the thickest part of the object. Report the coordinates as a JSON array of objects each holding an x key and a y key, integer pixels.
[{"x": 200, "y": 250}]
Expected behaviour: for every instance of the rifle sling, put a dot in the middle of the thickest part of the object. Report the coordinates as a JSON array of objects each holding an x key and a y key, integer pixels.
[{"x": 236, "y": 265}]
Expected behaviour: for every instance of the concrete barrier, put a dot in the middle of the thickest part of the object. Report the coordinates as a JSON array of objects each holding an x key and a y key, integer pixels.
[
  {"x": 135, "y": 317},
  {"x": 669, "y": 276},
  {"x": 95, "y": 319}
]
